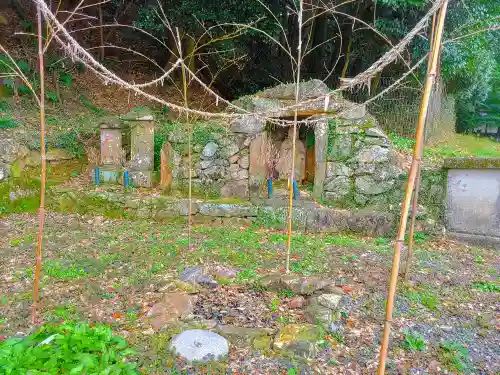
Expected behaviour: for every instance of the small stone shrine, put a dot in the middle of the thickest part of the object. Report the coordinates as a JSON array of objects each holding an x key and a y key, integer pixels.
[
  {"x": 140, "y": 125},
  {"x": 340, "y": 149},
  {"x": 111, "y": 149},
  {"x": 141, "y": 164}
]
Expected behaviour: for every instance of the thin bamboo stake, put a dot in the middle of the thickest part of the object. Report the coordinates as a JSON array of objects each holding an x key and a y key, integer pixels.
[
  {"x": 433, "y": 44},
  {"x": 408, "y": 193},
  {"x": 185, "y": 93},
  {"x": 411, "y": 235},
  {"x": 41, "y": 211},
  {"x": 295, "y": 115}
]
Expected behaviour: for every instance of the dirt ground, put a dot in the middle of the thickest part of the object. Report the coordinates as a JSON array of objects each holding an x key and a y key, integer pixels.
[{"x": 113, "y": 271}]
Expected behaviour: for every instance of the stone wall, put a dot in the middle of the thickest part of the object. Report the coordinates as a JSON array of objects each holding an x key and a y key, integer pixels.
[
  {"x": 355, "y": 161},
  {"x": 220, "y": 164},
  {"x": 306, "y": 218},
  {"x": 361, "y": 162}
]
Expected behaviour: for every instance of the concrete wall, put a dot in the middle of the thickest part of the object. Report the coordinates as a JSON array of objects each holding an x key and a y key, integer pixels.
[{"x": 473, "y": 202}]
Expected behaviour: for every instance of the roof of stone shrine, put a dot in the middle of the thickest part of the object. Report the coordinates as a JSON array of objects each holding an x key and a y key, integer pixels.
[{"x": 276, "y": 100}]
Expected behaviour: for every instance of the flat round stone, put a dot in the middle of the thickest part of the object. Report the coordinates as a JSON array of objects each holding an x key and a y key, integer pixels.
[{"x": 198, "y": 345}]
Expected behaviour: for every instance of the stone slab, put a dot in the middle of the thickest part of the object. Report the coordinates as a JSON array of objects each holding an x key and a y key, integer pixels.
[
  {"x": 111, "y": 146},
  {"x": 142, "y": 145},
  {"x": 200, "y": 346},
  {"x": 473, "y": 201},
  {"x": 477, "y": 240}
]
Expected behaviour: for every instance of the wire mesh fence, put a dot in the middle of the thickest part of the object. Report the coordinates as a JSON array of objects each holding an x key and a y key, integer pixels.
[{"x": 397, "y": 110}]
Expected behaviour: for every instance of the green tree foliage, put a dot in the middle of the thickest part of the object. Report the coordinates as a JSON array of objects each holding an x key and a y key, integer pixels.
[
  {"x": 471, "y": 58},
  {"x": 264, "y": 60},
  {"x": 240, "y": 60}
]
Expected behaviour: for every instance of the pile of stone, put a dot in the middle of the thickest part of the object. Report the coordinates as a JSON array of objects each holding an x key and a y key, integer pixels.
[
  {"x": 206, "y": 340},
  {"x": 322, "y": 297},
  {"x": 15, "y": 156}
]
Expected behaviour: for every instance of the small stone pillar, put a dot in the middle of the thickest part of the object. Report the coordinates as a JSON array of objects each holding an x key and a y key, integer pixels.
[
  {"x": 111, "y": 160},
  {"x": 257, "y": 172},
  {"x": 320, "y": 150},
  {"x": 166, "y": 167},
  {"x": 141, "y": 162}
]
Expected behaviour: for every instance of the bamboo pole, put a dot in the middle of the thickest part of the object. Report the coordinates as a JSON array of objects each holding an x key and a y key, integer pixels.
[
  {"x": 411, "y": 234},
  {"x": 408, "y": 193},
  {"x": 295, "y": 115},
  {"x": 41, "y": 211},
  {"x": 433, "y": 44},
  {"x": 185, "y": 93}
]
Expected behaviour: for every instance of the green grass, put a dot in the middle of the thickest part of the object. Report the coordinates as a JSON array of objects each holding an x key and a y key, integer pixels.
[
  {"x": 62, "y": 271},
  {"x": 246, "y": 275},
  {"x": 421, "y": 295},
  {"x": 456, "y": 145},
  {"x": 479, "y": 259},
  {"x": 7, "y": 122},
  {"x": 402, "y": 143},
  {"x": 20, "y": 195}
]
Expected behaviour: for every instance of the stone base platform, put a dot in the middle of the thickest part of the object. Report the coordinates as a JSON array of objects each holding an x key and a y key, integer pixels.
[{"x": 307, "y": 215}]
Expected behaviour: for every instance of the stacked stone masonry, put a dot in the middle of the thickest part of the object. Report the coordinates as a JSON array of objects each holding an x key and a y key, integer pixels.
[{"x": 354, "y": 159}]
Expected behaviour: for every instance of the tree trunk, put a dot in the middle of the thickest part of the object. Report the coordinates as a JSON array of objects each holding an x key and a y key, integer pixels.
[
  {"x": 173, "y": 54},
  {"x": 319, "y": 42},
  {"x": 55, "y": 81},
  {"x": 101, "y": 33},
  {"x": 189, "y": 53}
]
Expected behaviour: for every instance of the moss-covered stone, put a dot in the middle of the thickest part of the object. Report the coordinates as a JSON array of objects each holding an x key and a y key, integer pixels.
[
  {"x": 298, "y": 340},
  {"x": 472, "y": 163},
  {"x": 262, "y": 343},
  {"x": 16, "y": 168},
  {"x": 245, "y": 336},
  {"x": 138, "y": 114}
]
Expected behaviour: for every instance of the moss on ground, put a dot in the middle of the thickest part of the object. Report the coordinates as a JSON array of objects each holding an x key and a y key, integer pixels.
[
  {"x": 455, "y": 145},
  {"x": 22, "y": 194}
]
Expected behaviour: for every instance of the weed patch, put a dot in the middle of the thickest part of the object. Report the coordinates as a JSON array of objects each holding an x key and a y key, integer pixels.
[
  {"x": 61, "y": 271},
  {"x": 423, "y": 296},
  {"x": 487, "y": 286},
  {"x": 69, "y": 349},
  {"x": 413, "y": 341},
  {"x": 454, "y": 356}
]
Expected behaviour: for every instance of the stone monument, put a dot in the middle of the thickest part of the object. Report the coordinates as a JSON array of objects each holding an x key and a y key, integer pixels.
[
  {"x": 111, "y": 160},
  {"x": 141, "y": 162}
]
